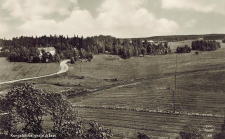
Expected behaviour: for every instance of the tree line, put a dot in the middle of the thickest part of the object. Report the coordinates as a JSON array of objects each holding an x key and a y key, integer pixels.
[
  {"x": 205, "y": 45},
  {"x": 214, "y": 37},
  {"x": 175, "y": 38},
  {"x": 30, "y": 49},
  {"x": 25, "y": 49}
]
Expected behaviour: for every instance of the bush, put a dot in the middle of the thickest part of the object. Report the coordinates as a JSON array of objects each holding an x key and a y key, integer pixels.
[
  {"x": 223, "y": 40},
  {"x": 142, "y": 136},
  {"x": 97, "y": 131},
  {"x": 190, "y": 132},
  {"x": 205, "y": 45},
  {"x": 183, "y": 49}
]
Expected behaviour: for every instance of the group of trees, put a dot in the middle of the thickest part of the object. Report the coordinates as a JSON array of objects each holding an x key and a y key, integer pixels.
[
  {"x": 29, "y": 49},
  {"x": 138, "y": 47},
  {"x": 204, "y": 45},
  {"x": 28, "y": 54},
  {"x": 183, "y": 49},
  {"x": 78, "y": 47},
  {"x": 26, "y": 109}
]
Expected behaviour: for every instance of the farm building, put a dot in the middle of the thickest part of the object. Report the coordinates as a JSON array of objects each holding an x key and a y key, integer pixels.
[
  {"x": 49, "y": 53},
  {"x": 51, "y": 50}
]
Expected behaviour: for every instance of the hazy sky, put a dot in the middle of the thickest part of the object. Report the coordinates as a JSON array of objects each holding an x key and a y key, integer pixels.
[{"x": 119, "y": 18}]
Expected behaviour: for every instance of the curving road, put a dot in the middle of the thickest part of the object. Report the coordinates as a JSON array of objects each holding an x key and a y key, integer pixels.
[{"x": 63, "y": 68}]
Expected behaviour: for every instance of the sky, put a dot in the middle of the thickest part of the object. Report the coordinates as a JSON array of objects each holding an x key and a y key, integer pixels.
[{"x": 118, "y": 18}]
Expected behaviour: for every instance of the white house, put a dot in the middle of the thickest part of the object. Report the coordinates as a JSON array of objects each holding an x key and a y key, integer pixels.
[{"x": 51, "y": 50}]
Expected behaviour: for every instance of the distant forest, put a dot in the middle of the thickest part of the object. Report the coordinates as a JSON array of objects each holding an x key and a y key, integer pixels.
[
  {"x": 28, "y": 49},
  {"x": 25, "y": 49}
]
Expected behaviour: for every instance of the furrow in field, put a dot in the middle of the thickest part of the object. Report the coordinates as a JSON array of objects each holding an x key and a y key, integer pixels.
[{"x": 159, "y": 123}]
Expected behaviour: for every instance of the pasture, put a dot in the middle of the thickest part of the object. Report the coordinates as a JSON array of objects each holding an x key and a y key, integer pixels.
[
  {"x": 19, "y": 70},
  {"x": 200, "y": 89},
  {"x": 145, "y": 83}
]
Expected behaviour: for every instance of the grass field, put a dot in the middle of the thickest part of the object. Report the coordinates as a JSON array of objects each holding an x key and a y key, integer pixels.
[
  {"x": 147, "y": 83},
  {"x": 200, "y": 89},
  {"x": 19, "y": 70},
  {"x": 128, "y": 123}
]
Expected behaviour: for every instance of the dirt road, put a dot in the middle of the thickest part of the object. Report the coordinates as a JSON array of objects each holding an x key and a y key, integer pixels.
[{"x": 63, "y": 68}]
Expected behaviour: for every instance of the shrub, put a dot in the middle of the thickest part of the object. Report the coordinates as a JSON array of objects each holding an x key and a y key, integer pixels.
[
  {"x": 183, "y": 49},
  {"x": 205, "y": 45}
]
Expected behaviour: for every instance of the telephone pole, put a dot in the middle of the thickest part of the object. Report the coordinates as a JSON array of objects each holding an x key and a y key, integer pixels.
[
  {"x": 175, "y": 87},
  {"x": 80, "y": 66}
]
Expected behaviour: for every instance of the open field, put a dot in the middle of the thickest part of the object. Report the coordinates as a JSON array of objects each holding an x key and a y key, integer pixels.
[
  {"x": 200, "y": 89},
  {"x": 147, "y": 83},
  {"x": 128, "y": 123},
  {"x": 19, "y": 70}
]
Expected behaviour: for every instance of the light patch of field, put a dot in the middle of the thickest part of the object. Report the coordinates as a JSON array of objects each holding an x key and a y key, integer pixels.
[{"x": 19, "y": 70}]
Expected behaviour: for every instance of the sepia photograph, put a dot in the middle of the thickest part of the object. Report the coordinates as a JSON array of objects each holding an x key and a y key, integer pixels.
[{"x": 112, "y": 69}]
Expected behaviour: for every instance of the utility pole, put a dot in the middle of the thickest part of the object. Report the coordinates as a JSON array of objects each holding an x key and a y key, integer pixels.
[
  {"x": 175, "y": 87},
  {"x": 176, "y": 74},
  {"x": 80, "y": 66}
]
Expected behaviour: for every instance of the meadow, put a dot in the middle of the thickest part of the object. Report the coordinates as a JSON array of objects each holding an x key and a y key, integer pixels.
[
  {"x": 145, "y": 83},
  {"x": 19, "y": 70},
  {"x": 199, "y": 89}
]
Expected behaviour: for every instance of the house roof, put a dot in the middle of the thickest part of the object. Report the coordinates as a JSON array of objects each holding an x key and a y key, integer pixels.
[{"x": 48, "y": 49}]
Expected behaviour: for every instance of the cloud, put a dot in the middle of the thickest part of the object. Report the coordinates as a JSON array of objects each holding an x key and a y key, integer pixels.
[
  {"x": 120, "y": 18},
  {"x": 128, "y": 18},
  {"x": 79, "y": 22},
  {"x": 25, "y": 9},
  {"x": 3, "y": 29},
  {"x": 38, "y": 26},
  {"x": 191, "y": 23},
  {"x": 205, "y": 6}
]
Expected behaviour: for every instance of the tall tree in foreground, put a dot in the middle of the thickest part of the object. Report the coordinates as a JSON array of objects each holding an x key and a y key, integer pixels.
[
  {"x": 24, "y": 105},
  {"x": 26, "y": 109}
]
